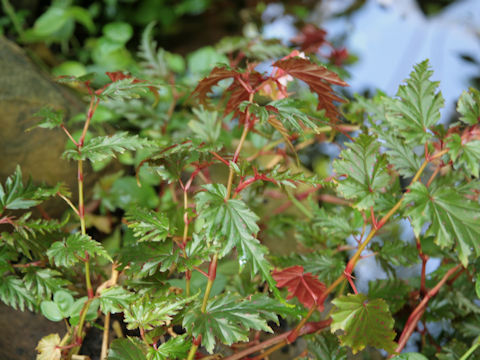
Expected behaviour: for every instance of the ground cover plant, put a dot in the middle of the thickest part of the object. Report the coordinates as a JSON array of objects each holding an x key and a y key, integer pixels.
[{"x": 214, "y": 153}]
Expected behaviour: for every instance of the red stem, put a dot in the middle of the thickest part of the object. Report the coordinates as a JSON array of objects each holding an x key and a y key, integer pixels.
[
  {"x": 420, "y": 309},
  {"x": 308, "y": 328}
]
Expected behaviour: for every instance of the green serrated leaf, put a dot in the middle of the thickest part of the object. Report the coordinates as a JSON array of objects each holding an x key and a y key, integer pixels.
[
  {"x": 288, "y": 112},
  {"x": 14, "y": 293},
  {"x": 101, "y": 148},
  {"x": 70, "y": 251},
  {"x": 149, "y": 313},
  {"x": 401, "y": 156},
  {"x": 365, "y": 170},
  {"x": 230, "y": 219},
  {"x": 126, "y": 349},
  {"x": 233, "y": 224},
  {"x": 148, "y": 225},
  {"x": 153, "y": 60},
  {"x": 453, "y": 218},
  {"x": 326, "y": 346},
  {"x": 394, "y": 291},
  {"x": 50, "y": 118},
  {"x": 207, "y": 126},
  {"x": 15, "y": 195},
  {"x": 115, "y": 299},
  {"x": 146, "y": 258},
  {"x": 174, "y": 348},
  {"x": 254, "y": 109},
  {"x": 228, "y": 318},
  {"x": 466, "y": 154},
  {"x": 364, "y": 322},
  {"x": 126, "y": 89},
  {"x": 418, "y": 108},
  {"x": 469, "y": 106},
  {"x": 44, "y": 282}
]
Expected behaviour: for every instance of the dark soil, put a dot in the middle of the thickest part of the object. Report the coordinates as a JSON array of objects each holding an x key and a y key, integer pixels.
[{"x": 20, "y": 333}]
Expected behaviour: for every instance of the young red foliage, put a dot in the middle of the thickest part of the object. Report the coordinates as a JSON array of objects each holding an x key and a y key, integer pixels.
[
  {"x": 318, "y": 78},
  {"x": 304, "y": 286},
  {"x": 310, "y": 38},
  {"x": 243, "y": 84},
  {"x": 239, "y": 92},
  {"x": 205, "y": 85}
]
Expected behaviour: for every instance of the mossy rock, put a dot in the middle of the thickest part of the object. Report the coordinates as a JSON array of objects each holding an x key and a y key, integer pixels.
[{"x": 25, "y": 89}]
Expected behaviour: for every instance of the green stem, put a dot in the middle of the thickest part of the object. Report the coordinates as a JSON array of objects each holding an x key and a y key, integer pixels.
[
  {"x": 231, "y": 174},
  {"x": 211, "y": 278},
  {"x": 470, "y": 351},
  {"x": 184, "y": 240},
  {"x": 299, "y": 205},
  {"x": 192, "y": 352},
  {"x": 212, "y": 270},
  {"x": 353, "y": 261},
  {"x": 78, "y": 332},
  {"x": 81, "y": 213}
]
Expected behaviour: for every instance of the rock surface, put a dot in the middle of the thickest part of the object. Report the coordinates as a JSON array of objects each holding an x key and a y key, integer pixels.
[{"x": 23, "y": 91}]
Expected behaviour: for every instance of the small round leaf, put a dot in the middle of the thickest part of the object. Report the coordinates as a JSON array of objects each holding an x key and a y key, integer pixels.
[{"x": 51, "y": 311}]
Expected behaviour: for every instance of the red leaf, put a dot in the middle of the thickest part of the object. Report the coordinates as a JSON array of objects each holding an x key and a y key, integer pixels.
[
  {"x": 205, "y": 85},
  {"x": 119, "y": 75},
  {"x": 238, "y": 91},
  {"x": 318, "y": 78},
  {"x": 311, "y": 38},
  {"x": 304, "y": 286}
]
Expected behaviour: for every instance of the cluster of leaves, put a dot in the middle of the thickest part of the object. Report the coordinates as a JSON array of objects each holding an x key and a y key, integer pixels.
[{"x": 216, "y": 190}]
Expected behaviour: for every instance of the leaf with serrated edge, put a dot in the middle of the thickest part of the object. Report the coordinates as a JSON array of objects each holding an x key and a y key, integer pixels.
[
  {"x": 14, "y": 293},
  {"x": 101, "y": 148},
  {"x": 51, "y": 118},
  {"x": 365, "y": 170},
  {"x": 304, "y": 286},
  {"x": 174, "y": 348},
  {"x": 466, "y": 154},
  {"x": 452, "y": 217},
  {"x": 126, "y": 349},
  {"x": 148, "y": 225},
  {"x": 418, "y": 108},
  {"x": 115, "y": 299},
  {"x": 229, "y": 318},
  {"x": 47, "y": 348},
  {"x": 469, "y": 106},
  {"x": 68, "y": 252},
  {"x": 364, "y": 322},
  {"x": 318, "y": 78},
  {"x": 15, "y": 195}
]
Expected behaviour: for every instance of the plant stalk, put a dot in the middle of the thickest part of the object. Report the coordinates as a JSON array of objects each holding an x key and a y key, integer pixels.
[
  {"x": 308, "y": 328},
  {"x": 471, "y": 350},
  {"x": 353, "y": 261},
  {"x": 212, "y": 270},
  {"x": 420, "y": 309}
]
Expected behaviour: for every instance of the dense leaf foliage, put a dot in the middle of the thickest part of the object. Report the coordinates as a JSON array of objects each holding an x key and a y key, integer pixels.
[{"x": 239, "y": 188}]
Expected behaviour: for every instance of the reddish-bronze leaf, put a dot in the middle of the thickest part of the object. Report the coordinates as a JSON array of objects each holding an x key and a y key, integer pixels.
[
  {"x": 318, "y": 78},
  {"x": 238, "y": 91},
  {"x": 243, "y": 84},
  {"x": 304, "y": 286},
  {"x": 310, "y": 38},
  {"x": 206, "y": 84}
]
